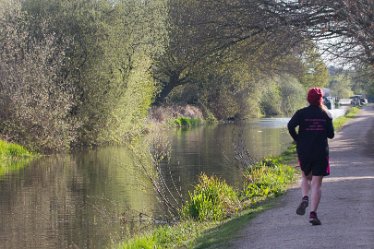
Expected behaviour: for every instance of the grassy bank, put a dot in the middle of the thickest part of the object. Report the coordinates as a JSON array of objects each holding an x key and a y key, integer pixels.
[
  {"x": 215, "y": 211},
  {"x": 213, "y": 203},
  {"x": 11, "y": 150},
  {"x": 184, "y": 122},
  {"x": 13, "y": 157},
  {"x": 339, "y": 122}
]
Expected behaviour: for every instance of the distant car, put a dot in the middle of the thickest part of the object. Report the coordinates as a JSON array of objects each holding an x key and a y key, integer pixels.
[
  {"x": 358, "y": 100},
  {"x": 329, "y": 102}
]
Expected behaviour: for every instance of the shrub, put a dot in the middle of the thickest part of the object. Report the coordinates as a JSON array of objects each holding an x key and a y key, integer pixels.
[
  {"x": 12, "y": 150},
  {"x": 187, "y": 122},
  {"x": 292, "y": 94},
  {"x": 266, "y": 178},
  {"x": 35, "y": 98},
  {"x": 13, "y": 157},
  {"x": 212, "y": 199},
  {"x": 271, "y": 99}
]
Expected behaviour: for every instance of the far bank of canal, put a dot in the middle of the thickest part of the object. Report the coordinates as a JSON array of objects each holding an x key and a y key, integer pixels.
[{"x": 84, "y": 200}]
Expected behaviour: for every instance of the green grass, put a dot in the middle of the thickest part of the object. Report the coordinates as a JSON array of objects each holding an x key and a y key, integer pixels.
[
  {"x": 212, "y": 199},
  {"x": 341, "y": 121},
  {"x": 11, "y": 150},
  {"x": 203, "y": 229},
  {"x": 181, "y": 235},
  {"x": 215, "y": 210},
  {"x": 13, "y": 157},
  {"x": 220, "y": 235},
  {"x": 187, "y": 122}
]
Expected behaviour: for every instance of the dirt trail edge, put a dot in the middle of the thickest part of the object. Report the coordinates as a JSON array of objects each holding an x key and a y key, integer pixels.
[{"x": 347, "y": 205}]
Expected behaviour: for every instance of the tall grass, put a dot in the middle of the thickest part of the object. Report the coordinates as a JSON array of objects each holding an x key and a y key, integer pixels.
[
  {"x": 11, "y": 150},
  {"x": 212, "y": 199},
  {"x": 13, "y": 157},
  {"x": 263, "y": 181},
  {"x": 181, "y": 235},
  {"x": 187, "y": 122},
  {"x": 214, "y": 202}
]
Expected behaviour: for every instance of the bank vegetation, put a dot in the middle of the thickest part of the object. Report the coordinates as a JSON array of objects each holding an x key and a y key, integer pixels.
[
  {"x": 214, "y": 210},
  {"x": 86, "y": 73}
]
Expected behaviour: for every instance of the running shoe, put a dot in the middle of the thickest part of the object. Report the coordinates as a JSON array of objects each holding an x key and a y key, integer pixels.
[
  {"x": 301, "y": 208},
  {"x": 313, "y": 219}
]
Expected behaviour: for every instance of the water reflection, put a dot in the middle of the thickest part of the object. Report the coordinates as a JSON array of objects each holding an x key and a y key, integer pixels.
[
  {"x": 94, "y": 198},
  {"x": 211, "y": 150},
  {"x": 73, "y": 202}
]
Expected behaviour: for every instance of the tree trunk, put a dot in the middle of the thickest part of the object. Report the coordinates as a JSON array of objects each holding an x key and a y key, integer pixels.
[{"x": 174, "y": 81}]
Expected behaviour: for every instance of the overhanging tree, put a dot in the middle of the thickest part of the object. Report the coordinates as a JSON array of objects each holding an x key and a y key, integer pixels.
[{"x": 201, "y": 31}]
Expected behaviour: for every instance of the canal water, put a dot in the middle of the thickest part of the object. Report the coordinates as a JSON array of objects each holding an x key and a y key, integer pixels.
[{"x": 95, "y": 198}]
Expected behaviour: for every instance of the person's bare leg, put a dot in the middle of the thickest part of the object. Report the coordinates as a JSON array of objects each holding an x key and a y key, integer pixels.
[
  {"x": 316, "y": 197},
  {"x": 316, "y": 192},
  {"x": 305, "y": 187},
  {"x": 305, "y": 184}
]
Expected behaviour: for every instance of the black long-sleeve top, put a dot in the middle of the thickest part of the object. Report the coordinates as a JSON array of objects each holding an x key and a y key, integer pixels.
[{"x": 315, "y": 126}]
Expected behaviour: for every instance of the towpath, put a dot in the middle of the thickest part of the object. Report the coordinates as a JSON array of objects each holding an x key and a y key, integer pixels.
[{"x": 346, "y": 209}]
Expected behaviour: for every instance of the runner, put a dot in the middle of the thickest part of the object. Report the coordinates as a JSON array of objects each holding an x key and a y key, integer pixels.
[{"x": 315, "y": 126}]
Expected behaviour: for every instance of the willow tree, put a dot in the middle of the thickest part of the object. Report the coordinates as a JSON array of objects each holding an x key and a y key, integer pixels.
[
  {"x": 107, "y": 50},
  {"x": 35, "y": 98}
]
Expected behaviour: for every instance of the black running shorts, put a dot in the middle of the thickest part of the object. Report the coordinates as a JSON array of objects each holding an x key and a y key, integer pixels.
[{"x": 318, "y": 167}]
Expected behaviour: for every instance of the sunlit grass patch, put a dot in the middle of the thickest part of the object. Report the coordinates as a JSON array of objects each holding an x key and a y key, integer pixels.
[
  {"x": 211, "y": 199},
  {"x": 263, "y": 181},
  {"x": 187, "y": 122},
  {"x": 214, "y": 203},
  {"x": 13, "y": 157},
  {"x": 12, "y": 150},
  {"x": 181, "y": 235}
]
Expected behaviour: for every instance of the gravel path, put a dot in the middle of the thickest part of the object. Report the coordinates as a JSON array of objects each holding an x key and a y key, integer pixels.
[{"x": 347, "y": 206}]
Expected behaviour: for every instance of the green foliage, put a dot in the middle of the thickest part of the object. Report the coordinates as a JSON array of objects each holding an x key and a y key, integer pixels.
[
  {"x": 216, "y": 92},
  {"x": 359, "y": 80},
  {"x": 126, "y": 117},
  {"x": 229, "y": 87},
  {"x": 315, "y": 73},
  {"x": 363, "y": 80},
  {"x": 114, "y": 85},
  {"x": 12, "y": 150},
  {"x": 341, "y": 86},
  {"x": 271, "y": 100},
  {"x": 85, "y": 69},
  {"x": 267, "y": 178},
  {"x": 292, "y": 94},
  {"x": 347, "y": 82},
  {"x": 289, "y": 155},
  {"x": 282, "y": 95},
  {"x": 212, "y": 199},
  {"x": 187, "y": 122},
  {"x": 146, "y": 242},
  {"x": 34, "y": 97},
  {"x": 177, "y": 236},
  {"x": 13, "y": 157}
]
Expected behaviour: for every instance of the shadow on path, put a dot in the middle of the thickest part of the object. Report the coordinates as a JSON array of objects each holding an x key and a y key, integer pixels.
[{"x": 346, "y": 209}]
